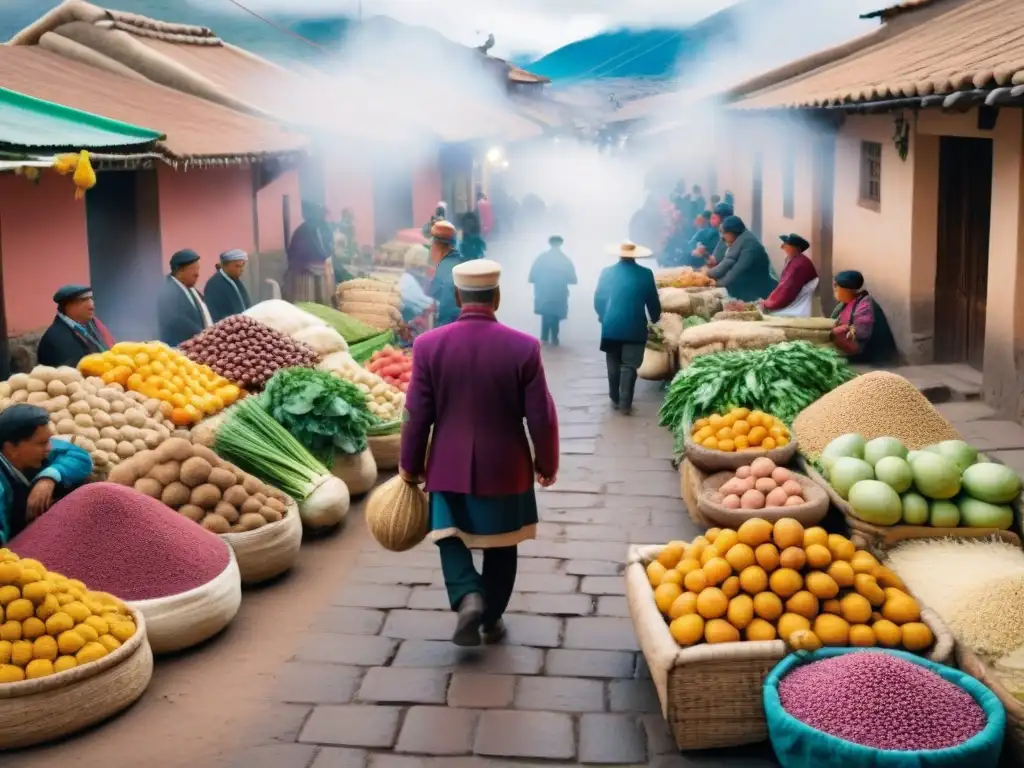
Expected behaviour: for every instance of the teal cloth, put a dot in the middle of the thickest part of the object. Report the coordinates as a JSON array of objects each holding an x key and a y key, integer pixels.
[
  {"x": 482, "y": 515},
  {"x": 798, "y": 745}
]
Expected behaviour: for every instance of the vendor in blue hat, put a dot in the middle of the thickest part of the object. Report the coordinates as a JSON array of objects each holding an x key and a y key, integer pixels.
[
  {"x": 181, "y": 311},
  {"x": 75, "y": 332},
  {"x": 225, "y": 292}
]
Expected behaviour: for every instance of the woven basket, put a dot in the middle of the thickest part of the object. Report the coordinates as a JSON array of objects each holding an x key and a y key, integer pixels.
[
  {"x": 357, "y": 471},
  {"x": 181, "y": 621},
  {"x": 719, "y": 461},
  {"x": 973, "y": 665},
  {"x": 690, "y": 481},
  {"x": 811, "y": 512},
  {"x": 386, "y": 450},
  {"x": 49, "y": 708},
  {"x": 398, "y": 515},
  {"x": 879, "y": 538},
  {"x": 269, "y": 551},
  {"x": 711, "y": 695}
]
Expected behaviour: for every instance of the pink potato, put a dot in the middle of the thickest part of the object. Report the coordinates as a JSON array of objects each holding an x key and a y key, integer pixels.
[
  {"x": 743, "y": 472},
  {"x": 793, "y": 501},
  {"x": 792, "y": 488},
  {"x": 752, "y": 500},
  {"x": 762, "y": 467},
  {"x": 776, "y": 498},
  {"x": 780, "y": 475},
  {"x": 732, "y": 501},
  {"x": 765, "y": 484}
]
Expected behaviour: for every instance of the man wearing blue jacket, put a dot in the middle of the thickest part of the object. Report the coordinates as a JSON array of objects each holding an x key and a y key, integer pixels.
[
  {"x": 626, "y": 297},
  {"x": 35, "y": 471}
]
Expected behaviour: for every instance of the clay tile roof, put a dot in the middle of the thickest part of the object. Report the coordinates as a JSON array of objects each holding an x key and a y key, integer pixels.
[
  {"x": 196, "y": 130},
  {"x": 975, "y": 45}
]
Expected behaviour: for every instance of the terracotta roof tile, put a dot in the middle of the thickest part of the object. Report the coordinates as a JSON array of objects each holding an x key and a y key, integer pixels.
[
  {"x": 892, "y": 11},
  {"x": 979, "y": 44},
  {"x": 195, "y": 128}
]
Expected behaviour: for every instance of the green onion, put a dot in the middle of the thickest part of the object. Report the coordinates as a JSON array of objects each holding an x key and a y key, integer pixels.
[{"x": 257, "y": 444}]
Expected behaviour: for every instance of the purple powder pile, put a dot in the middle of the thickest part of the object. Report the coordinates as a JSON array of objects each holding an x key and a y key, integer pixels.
[
  {"x": 116, "y": 540},
  {"x": 881, "y": 701}
]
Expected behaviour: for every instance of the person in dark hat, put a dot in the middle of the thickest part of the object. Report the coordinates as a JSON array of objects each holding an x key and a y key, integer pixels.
[
  {"x": 181, "y": 312},
  {"x": 35, "y": 470},
  {"x": 445, "y": 256},
  {"x": 310, "y": 249},
  {"x": 225, "y": 292},
  {"x": 551, "y": 275},
  {"x": 472, "y": 245},
  {"x": 75, "y": 332},
  {"x": 719, "y": 213},
  {"x": 703, "y": 242},
  {"x": 794, "y": 295},
  {"x": 745, "y": 269},
  {"x": 862, "y": 332}
]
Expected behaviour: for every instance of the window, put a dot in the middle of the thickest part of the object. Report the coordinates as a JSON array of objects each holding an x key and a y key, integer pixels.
[
  {"x": 871, "y": 174},
  {"x": 788, "y": 182}
]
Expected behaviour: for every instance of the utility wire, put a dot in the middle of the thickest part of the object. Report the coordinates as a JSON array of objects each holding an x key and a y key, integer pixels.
[{"x": 277, "y": 26}]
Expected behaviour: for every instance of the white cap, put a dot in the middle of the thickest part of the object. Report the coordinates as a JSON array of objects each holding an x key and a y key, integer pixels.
[{"x": 477, "y": 275}]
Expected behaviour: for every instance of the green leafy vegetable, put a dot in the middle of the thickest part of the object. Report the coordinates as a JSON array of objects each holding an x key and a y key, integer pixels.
[
  {"x": 325, "y": 413},
  {"x": 350, "y": 328},
  {"x": 382, "y": 428},
  {"x": 782, "y": 380},
  {"x": 252, "y": 440}
]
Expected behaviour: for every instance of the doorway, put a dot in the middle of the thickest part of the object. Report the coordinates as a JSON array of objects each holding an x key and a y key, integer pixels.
[
  {"x": 757, "y": 195},
  {"x": 125, "y": 263},
  {"x": 392, "y": 200},
  {"x": 961, "y": 275}
]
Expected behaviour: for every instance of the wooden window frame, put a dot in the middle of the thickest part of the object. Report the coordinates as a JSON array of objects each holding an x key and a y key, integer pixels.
[
  {"x": 869, "y": 193},
  {"x": 789, "y": 182}
]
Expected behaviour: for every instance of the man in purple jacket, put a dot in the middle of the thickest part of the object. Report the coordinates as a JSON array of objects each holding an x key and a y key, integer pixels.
[{"x": 474, "y": 382}]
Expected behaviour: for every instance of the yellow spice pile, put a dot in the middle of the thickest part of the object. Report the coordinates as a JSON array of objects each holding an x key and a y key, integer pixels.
[{"x": 877, "y": 404}]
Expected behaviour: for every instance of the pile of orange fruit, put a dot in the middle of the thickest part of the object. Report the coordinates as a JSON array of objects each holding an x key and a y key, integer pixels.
[
  {"x": 741, "y": 429},
  {"x": 188, "y": 391}
]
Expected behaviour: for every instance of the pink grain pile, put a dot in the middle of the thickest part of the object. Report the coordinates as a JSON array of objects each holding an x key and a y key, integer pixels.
[
  {"x": 117, "y": 540},
  {"x": 881, "y": 701}
]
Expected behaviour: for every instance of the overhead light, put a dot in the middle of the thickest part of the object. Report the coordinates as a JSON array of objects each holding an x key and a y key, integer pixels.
[
  {"x": 504, "y": 164},
  {"x": 494, "y": 155}
]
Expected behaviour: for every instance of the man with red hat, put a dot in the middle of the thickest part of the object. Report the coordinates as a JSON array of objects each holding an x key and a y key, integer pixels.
[{"x": 445, "y": 257}]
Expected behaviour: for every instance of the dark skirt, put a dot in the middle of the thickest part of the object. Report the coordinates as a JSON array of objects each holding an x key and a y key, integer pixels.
[{"x": 483, "y": 521}]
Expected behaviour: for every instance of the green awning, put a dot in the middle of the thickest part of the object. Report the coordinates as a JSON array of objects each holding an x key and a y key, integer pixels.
[{"x": 26, "y": 121}]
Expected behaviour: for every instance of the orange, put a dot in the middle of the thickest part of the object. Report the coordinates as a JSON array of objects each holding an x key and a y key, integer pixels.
[
  {"x": 741, "y": 427},
  {"x": 716, "y": 421},
  {"x": 757, "y": 434},
  {"x": 725, "y": 433},
  {"x": 742, "y": 443},
  {"x": 711, "y": 444},
  {"x": 700, "y": 423},
  {"x": 741, "y": 413},
  {"x": 768, "y": 444},
  {"x": 727, "y": 445},
  {"x": 753, "y": 419}
]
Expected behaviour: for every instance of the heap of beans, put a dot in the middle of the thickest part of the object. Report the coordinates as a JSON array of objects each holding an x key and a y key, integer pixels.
[
  {"x": 881, "y": 701},
  {"x": 247, "y": 352},
  {"x": 120, "y": 541}
]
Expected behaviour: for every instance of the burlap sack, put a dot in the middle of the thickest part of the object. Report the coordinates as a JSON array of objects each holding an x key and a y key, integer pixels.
[
  {"x": 657, "y": 365},
  {"x": 671, "y": 328},
  {"x": 744, "y": 316},
  {"x": 734, "y": 333},
  {"x": 398, "y": 515},
  {"x": 391, "y": 298},
  {"x": 811, "y": 512},
  {"x": 675, "y": 300}
]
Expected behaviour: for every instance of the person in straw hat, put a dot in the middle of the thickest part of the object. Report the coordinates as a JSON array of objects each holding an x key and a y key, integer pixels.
[
  {"x": 445, "y": 256},
  {"x": 626, "y": 297},
  {"x": 474, "y": 383}
]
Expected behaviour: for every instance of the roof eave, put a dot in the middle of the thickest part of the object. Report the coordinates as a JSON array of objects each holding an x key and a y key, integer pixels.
[{"x": 956, "y": 101}]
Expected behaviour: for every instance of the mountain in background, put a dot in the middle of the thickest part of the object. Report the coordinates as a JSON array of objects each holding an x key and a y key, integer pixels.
[{"x": 640, "y": 54}]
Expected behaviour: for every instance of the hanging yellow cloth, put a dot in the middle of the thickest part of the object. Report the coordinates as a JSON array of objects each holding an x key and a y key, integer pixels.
[{"x": 84, "y": 175}]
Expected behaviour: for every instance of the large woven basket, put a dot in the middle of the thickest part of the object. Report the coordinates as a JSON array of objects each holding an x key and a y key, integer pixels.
[
  {"x": 711, "y": 695},
  {"x": 181, "y": 621},
  {"x": 973, "y": 665},
  {"x": 879, "y": 538},
  {"x": 269, "y": 551},
  {"x": 690, "y": 481},
  {"x": 49, "y": 708},
  {"x": 811, "y": 512},
  {"x": 386, "y": 450},
  {"x": 718, "y": 461},
  {"x": 658, "y": 364}
]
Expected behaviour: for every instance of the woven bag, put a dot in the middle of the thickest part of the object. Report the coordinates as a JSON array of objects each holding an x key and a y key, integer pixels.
[
  {"x": 270, "y": 550},
  {"x": 358, "y": 471},
  {"x": 397, "y": 515},
  {"x": 386, "y": 450}
]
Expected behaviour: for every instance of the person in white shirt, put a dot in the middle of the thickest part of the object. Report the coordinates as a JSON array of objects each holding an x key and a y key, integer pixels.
[
  {"x": 415, "y": 300},
  {"x": 180, "y": 309}
]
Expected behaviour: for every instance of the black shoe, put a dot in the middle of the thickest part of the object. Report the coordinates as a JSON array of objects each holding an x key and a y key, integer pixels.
[
  {"x": 495, "y": 633},
  {"x": 467, "y": 628},
  {"x": 627, "y": 411}
]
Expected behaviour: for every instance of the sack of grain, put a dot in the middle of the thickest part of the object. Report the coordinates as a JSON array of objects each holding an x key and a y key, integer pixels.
[
  {"x": 398, "y": 515},
  {"x": 877, "y": 404},
  {"x": 378, "y": 315},
  {"x": 671, "y": 328},
  {"x": 383, "y": 297},
  {"x": 821, "y": 338},
  {"x": 363, "y": 284},
  {"x": 675, "y": 300},
  {"x": 803, "y": 323},
  {"x": 744, "y": 316},
  {"x": 657, "y": 365},
  {"x": 739, "y": 335}
]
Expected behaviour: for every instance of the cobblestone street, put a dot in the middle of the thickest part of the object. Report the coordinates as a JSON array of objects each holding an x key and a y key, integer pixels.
[{"x": 377, "y": 682}]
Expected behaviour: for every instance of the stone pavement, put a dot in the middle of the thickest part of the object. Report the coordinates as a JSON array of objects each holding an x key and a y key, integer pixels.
[{"x": 377, "y": 683}]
